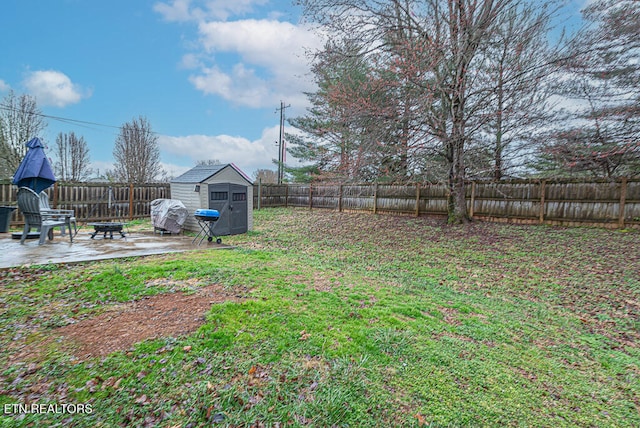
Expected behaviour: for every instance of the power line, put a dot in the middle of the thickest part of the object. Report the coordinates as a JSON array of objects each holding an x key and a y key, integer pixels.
[
  {"x": 78, "y": 122},
  {"x": 62, "y": 119}
]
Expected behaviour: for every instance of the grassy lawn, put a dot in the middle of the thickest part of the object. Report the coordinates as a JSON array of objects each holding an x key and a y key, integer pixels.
[{"x": 347, "y": 320}]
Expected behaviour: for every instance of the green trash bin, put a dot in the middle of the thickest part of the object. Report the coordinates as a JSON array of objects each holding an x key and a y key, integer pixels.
[{"x": 5, "y": 218}]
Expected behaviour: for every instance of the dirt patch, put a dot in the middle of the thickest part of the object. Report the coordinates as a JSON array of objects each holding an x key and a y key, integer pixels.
[
  {"x": 450, "y": 315},
  {"x": 322, "y": 283},
  {"x": 173, "y": 314}
]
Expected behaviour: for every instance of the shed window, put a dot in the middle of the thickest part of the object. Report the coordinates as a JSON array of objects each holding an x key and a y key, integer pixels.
[
  {"x": 239, "y": 197},
  {"x": 219, "y": 196}
]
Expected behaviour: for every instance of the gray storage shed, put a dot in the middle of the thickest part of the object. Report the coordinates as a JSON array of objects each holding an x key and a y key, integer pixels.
[{"x": 220, "y": 187}]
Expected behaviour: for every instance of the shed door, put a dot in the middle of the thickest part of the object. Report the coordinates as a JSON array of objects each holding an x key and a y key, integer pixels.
[
  {"x": 238, "y": 206},
  {"x": 219, "y": 196}
]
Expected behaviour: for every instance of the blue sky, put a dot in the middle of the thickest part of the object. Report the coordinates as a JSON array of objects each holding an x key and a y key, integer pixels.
[{"x": 208, "y": 74}]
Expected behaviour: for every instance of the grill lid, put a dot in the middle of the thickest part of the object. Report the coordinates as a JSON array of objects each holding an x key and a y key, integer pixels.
[{"x": 205, "y": 214}]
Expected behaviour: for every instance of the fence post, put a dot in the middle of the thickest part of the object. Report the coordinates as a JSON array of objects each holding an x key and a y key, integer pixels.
[
  {"x": 623, "y": 199},
  {"x": 55, "y": 195},
  {"x": 310, "y": 196},
  {"x": 286, "y": 195},
  {"x": 340, "y": 199},
  {"x": 417, "y": 199},
  {"x": 473, "y": 198},
  {"x": 375, "y": 199},
  {"x": 543, "y": 185},
  {"x": 259, "y": 193},
  {"x": 130, "y": 201}
]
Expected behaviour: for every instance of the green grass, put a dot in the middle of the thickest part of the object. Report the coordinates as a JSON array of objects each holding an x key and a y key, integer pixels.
[{"x": 350, "y": 320}]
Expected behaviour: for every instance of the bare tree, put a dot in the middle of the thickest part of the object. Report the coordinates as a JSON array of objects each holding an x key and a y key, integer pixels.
[
  {"x": 137, "y": 154},
  {"x": 73, "y": 158},
  {"x": 267, "y": 176},
  {"x": 600, "y": 134},
  {"x": 434, "y": 51},
  {"x": 517, "y": 63},
  {"x": 20, "y": 121},
  {"x": 209, "y": 162}
]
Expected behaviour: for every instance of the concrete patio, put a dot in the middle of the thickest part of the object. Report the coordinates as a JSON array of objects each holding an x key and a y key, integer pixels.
[{"x": 83, "y": 248}]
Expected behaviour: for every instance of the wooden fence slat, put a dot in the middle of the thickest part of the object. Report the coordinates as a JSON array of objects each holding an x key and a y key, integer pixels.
[
  {"x": 375, "y": 199},
  {"x": 542, "y": 193},
  {"x": 473, "y": 199},
  {"x": 621, "y": 207},
  {"x": 259, "y": 192},
  {"x": 131, "y": 201}
]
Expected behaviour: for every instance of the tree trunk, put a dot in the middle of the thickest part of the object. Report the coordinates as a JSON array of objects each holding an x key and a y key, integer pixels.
[
  {"x": 457, "y": 204},
  {"x": 497, "y": 170}
]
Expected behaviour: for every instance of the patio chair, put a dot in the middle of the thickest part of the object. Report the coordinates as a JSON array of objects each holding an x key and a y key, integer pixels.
[
  {"x": 29, "y": 204},
  {"x": 58, "y": 214}
]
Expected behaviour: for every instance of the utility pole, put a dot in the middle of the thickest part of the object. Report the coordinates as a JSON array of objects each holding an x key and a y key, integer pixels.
[{"x": 282, "y": 151}]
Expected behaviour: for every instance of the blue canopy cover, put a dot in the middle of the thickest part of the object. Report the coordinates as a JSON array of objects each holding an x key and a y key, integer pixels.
[{"x": 35, "y": 170}]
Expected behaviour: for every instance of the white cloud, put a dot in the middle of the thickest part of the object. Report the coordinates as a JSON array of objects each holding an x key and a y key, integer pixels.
[
  {"x": 4, "y": 86},
  {"x": 190, "y": 61},
  {"x": 270, "y": 43},
  {"x": 242, "y": 87},
  {"x": 177, "y": 10},
  {"x": 100, "y": 167},
  {"x": 275, "y": 45},
  {"x": 188, "y": 10},
  {"x": 174, "y": 170},
  {"x": 53, "y": 88},
  {"x": 272, "y": 61},
  {"x": 249, "y": 62},
  {"x": 247, "y": 155}
]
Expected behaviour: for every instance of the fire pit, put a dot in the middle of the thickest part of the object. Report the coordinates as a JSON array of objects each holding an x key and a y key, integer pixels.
[{"x": 107, "y": 227}]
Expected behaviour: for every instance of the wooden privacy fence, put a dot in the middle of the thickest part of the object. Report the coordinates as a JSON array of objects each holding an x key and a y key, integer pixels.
[
  {"x": 95, "y": 201},
  {"x": 593, "y": 203}
]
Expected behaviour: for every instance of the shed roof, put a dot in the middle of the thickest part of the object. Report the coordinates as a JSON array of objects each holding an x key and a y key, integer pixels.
[{"x": 200, "y": 173}]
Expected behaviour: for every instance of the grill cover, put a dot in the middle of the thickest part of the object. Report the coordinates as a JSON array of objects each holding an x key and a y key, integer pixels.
[
  {"x": 208, "y": 215},
  {"x": 168, "y": 214}
]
